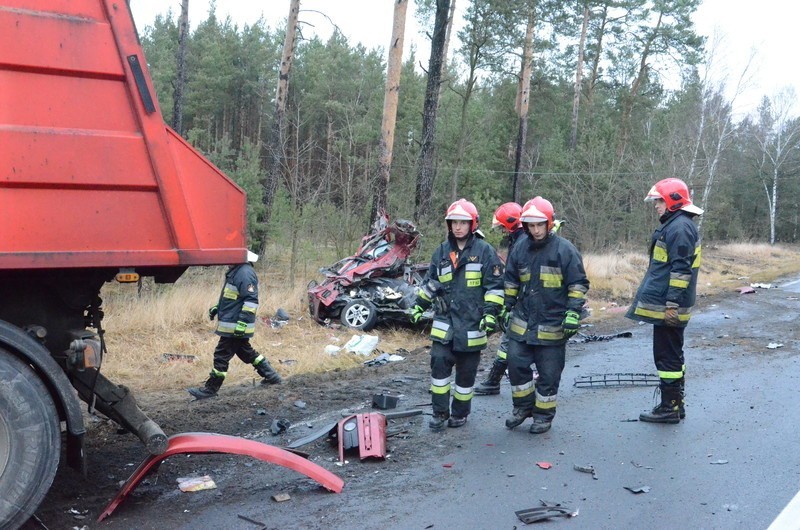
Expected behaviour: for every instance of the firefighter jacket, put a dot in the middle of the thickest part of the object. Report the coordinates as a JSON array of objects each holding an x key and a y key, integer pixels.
[
  {"x": 543, "y": 280},
  {"x": 671, "y": 277},
  {"x": 468, "y": 287},
  {"x": 238, "y": 301}
]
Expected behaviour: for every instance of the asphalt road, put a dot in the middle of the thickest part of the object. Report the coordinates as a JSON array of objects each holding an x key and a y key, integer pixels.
[{"x": 733, "y": 463}]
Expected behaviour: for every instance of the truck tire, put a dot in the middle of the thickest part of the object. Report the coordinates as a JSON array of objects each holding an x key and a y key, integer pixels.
[{"x": 30, "y": 441}]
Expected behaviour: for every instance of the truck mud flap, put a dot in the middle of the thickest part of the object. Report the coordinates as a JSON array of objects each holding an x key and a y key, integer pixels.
[{"x": 209, "y": 443}]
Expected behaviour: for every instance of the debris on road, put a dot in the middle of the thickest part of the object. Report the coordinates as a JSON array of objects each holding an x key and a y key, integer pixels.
[
  {"x": 279, "y": 425},
  {"x": 581, "y": 338},
  {"x": 637, "y": 489},
  {"x": 281, "y": 497},
  {"x": 449, "y": 464},
  {"x": 187, "y": 484},
  {"x": 367, "y": 432},
  {"x": 774, "y": 345},
  {"x": 382, "y": 359},
  {"x": 300, "y": 404},
  {"x": 259, "y": 523},
  {"x": 544, "y": 512},
  {"x": 544, "y": 465},
  {"x": 586, "y": 469},
  {"x": 616, "y": 380},
  {"x": 761, "y": 285},
  {"x": 385, "y": 400},
  {"x": 719, "y": 462},
  {"x": 746, "y": 290}
]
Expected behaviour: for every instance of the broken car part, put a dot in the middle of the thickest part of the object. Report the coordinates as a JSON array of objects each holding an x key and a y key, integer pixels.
[
  {"x": 615, "y": 380},
  {"x": 208, "y": 443},
  {"x": 542, "y": 513},
  {"x": 365, "y": 431}
]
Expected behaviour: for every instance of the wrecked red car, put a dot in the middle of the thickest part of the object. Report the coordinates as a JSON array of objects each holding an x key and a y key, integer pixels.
[{"x": 376, "y": 284}]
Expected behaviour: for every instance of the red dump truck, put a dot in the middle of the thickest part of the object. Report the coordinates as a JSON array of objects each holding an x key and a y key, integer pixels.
[{"x": 94, "y": 188}]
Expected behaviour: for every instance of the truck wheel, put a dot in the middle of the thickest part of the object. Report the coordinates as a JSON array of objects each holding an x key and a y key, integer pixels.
[
  {"x": 30, "y": 441},
  {"x": 359, "y": 314}
]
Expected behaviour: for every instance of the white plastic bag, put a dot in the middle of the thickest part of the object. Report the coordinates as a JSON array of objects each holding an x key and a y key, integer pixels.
[{"x": 362, "y": 344}]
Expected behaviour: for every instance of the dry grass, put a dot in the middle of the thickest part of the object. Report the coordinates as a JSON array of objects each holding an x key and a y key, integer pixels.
[{"x": 172, "y": 318}]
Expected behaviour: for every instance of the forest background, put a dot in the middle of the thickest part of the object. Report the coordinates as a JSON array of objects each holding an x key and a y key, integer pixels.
[{"x": 601, "y": 124}]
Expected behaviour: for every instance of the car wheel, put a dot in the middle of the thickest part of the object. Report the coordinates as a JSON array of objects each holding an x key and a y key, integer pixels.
[{"x": 359, "y": 314}]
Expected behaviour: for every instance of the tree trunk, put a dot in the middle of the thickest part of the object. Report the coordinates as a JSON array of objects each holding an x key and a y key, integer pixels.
[
  {"x": 598, "y": 53},
  {"x": 180, "y": 79},
  {"x": 426, "y": 170},
  {"x": 576, "y": 99},
  {"x": 523, "y": 101},
  {"x": 275, "y": 143},
  {"x": 390, "y": 98}
]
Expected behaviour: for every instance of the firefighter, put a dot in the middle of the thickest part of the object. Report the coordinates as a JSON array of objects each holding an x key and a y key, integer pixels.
[
  {"x": 545, "y": 290},
  {"x": 667, "y": 292},
  {"x": 236, "y": 323},
  {"x": 465, "y": 286},
  {"x": 506, "y": 218}
]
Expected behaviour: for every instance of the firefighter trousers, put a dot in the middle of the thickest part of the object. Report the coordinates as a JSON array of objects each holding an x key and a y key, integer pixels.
[
  {"x": 541, "y": 397},
  {"x": 443, "y": 359},
  {"x": 668, "y": 355},
  {"x": 227, "y": 347}
]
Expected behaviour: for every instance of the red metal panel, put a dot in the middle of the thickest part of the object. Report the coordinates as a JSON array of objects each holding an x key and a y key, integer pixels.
[
  {"x": 97, "y": 219},
  {"x": 34, "y": 41},
  {"x": 42, "y": 158},
  {"x": 219, "y": 443},
  {"x": 33, "y": 99},
  {"x": 76, "y": 8}
]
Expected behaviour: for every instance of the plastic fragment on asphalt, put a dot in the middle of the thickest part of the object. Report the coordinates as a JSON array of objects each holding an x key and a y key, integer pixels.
[
  {"x": 544, "y": 465},
  {"x": 281, "y": 497},
  {"x": 187, "y": 484},
  {"x": 761, "y": 285},
  {"x": 746, "y": 290},
  {"x": 449, "y": 464},
  {"x": 544, "y": 512},
  {"x": 719, "y": 462},
  {"x": 774, "y": 345},
  {"x": 637, "y": 489},
  {"x": 586, "y": 469}
]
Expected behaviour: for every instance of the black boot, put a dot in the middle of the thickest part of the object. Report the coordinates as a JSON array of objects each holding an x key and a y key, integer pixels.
[
  {"x": 457, "y": 421},
  {"x": 269, "y": 374},
  {"x": 209, "y": 389},
  {"x": 491, "y": 385},
  {"x": 518, "y": 415},
  {"x": 682, "y": 403},
  {"x": 438, "y": 420},
  {"x": 668, "y": 411}
]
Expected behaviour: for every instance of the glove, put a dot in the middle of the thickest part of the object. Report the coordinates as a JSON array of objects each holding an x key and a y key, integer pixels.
[
  {"x": 488, "y": 323},
  {"x": 416, "y": 314},
  {"x": 503, "y": 318},
  {"x": 671, "y": 317},
  {"x": 241, "y": 327},
  {"x": 212, "y": 312},
  {"x": 571, "y": 323}
]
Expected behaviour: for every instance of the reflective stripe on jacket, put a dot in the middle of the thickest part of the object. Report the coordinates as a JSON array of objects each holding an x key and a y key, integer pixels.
[
  {"x": 671, "y": 277},
  {"x": 470, "y": 289},
  {"x": 542, "y": 281},
  {"x": 238, "y": 301}
]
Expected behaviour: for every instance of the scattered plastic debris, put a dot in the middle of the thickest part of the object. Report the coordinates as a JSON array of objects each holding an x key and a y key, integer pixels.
[
  {"x": 300, "y": 404},
  {"x": 178, "y": 357},
  {"x": 761, "y": 285},
  {"x": 261, "y": 412},
  {"x": 637, "y": 489},
  {"x": 449, "y": 464},
  {"x": 746, "y": 290},
  {"x": 259, "y": 523},
  {"x": 615, "y": 380},
  {"x": 281, "y": 497},
  {"x": 279, "y": 425},
  {"x": 186, "y": 484},
  {"x": 332, "y": 349},
  {"x": 581, "y": 338},
  {"x": 774, "y": 345},
  {"x": 362, "y": 344},
  {"x": 719, "y": 462},
  {"x": 546, "y": 511},
  {"x": 385, "y": 400},
  {"x": 544, "y": 465},
  {"x": 383, "y": 358},
  {"x": 586, "y": 469},
  {"x": 287, "y": 361}
]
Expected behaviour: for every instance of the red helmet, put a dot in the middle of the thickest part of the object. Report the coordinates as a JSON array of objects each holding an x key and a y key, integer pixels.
[
  {"x": 538, "y": 210},
  {"x": 507, "y": 216},
  {"x": 463, "y": 210},
  {"x": 675, "y": 193}
]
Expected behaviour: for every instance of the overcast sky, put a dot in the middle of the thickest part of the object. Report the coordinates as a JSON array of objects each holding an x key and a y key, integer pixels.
[{"x": 766, "y": 27}]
